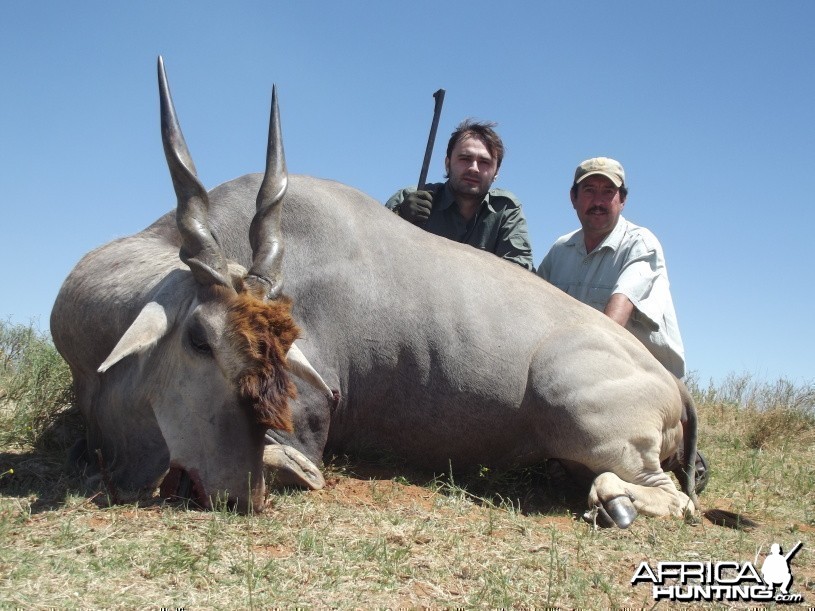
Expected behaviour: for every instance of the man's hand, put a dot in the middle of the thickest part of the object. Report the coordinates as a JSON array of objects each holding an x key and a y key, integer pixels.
[{"x": 416, "y": 207}]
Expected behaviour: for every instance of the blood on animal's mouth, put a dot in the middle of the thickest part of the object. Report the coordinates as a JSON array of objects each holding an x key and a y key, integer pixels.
[{"x": 184, "y": 485}]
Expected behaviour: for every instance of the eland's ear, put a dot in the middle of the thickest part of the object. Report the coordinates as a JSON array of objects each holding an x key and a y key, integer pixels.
[
  {"x": 149, "y": 327},
  {"x": 300, "y": 366}
]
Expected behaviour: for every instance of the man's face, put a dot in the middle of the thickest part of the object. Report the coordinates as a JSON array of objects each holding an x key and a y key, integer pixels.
[
  {"x": 598, "y": 204},
  {"x": 471, "y": 168}
]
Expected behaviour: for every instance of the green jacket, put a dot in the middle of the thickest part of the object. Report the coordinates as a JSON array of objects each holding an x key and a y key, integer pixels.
[{"x": 499, "y": 227}]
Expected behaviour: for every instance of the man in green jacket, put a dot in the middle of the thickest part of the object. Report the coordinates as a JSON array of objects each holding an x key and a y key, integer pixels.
[{"x": 466, "y": 208}]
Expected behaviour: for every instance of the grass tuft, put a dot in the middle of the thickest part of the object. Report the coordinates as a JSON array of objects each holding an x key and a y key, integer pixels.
[{"x": 765, "y": 414}]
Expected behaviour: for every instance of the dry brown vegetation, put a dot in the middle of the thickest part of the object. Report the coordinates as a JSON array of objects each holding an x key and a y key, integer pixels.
[{"x": 384, "y": 536}]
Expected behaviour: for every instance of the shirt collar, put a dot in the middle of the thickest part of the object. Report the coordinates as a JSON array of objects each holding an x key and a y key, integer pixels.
[
  {"x": 447, "y": 198},
  {"x": 615, "y": 238},
  {"x": 612, "y": 241}
]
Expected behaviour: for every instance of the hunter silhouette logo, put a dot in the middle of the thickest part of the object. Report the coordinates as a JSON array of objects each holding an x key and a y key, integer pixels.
[
  {"x": 723, "y": 581},
  {"x": 776, "y": 568}
]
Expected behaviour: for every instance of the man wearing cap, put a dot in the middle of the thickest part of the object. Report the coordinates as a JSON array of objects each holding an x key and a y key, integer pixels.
[
  {"x": 466, "y": 208},
  {"x": 615, "y": 266},
  {"x": 618, "y": 268}
]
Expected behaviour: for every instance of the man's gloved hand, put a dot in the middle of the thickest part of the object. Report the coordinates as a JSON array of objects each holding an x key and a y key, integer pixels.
[{"x": 416, "y": 206}]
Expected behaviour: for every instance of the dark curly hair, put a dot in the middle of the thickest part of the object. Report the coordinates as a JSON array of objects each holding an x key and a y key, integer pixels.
[{"x": 483, "y": 131}]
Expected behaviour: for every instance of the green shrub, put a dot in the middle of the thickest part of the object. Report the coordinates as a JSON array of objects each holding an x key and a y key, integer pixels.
[{"x": 35, "y": 386}]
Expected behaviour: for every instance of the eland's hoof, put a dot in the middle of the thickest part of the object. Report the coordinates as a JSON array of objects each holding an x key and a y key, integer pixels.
[
  {"x": 598, "y": 517},
  {"x": 621, "y": 510}
]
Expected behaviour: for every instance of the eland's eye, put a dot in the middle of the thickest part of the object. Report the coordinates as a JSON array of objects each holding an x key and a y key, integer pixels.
[{"x": 198, "y": 339}]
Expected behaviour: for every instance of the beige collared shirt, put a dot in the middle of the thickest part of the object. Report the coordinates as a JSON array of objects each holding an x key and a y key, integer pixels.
[{"x": 629, "y": 261}]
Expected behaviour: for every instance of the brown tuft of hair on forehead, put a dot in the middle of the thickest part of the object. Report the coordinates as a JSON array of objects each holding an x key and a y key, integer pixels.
[{"x": 263, "y": 332}]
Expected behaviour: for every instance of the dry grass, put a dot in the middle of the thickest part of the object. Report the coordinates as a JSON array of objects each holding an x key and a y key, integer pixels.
[
  {"x": 368, "y": 543},
  {"x": 390, "y": 537}
]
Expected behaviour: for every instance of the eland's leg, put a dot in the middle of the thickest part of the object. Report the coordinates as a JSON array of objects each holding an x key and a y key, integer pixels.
[{"x": 621, "y": 501}]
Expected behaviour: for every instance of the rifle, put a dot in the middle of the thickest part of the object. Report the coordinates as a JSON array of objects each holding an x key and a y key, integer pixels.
[
  {"x": 431, "y": 139},
  {"x": 793, "y": 551}
]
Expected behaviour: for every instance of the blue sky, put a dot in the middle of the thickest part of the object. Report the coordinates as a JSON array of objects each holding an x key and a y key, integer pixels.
[{"x": 708, "y": 105}]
